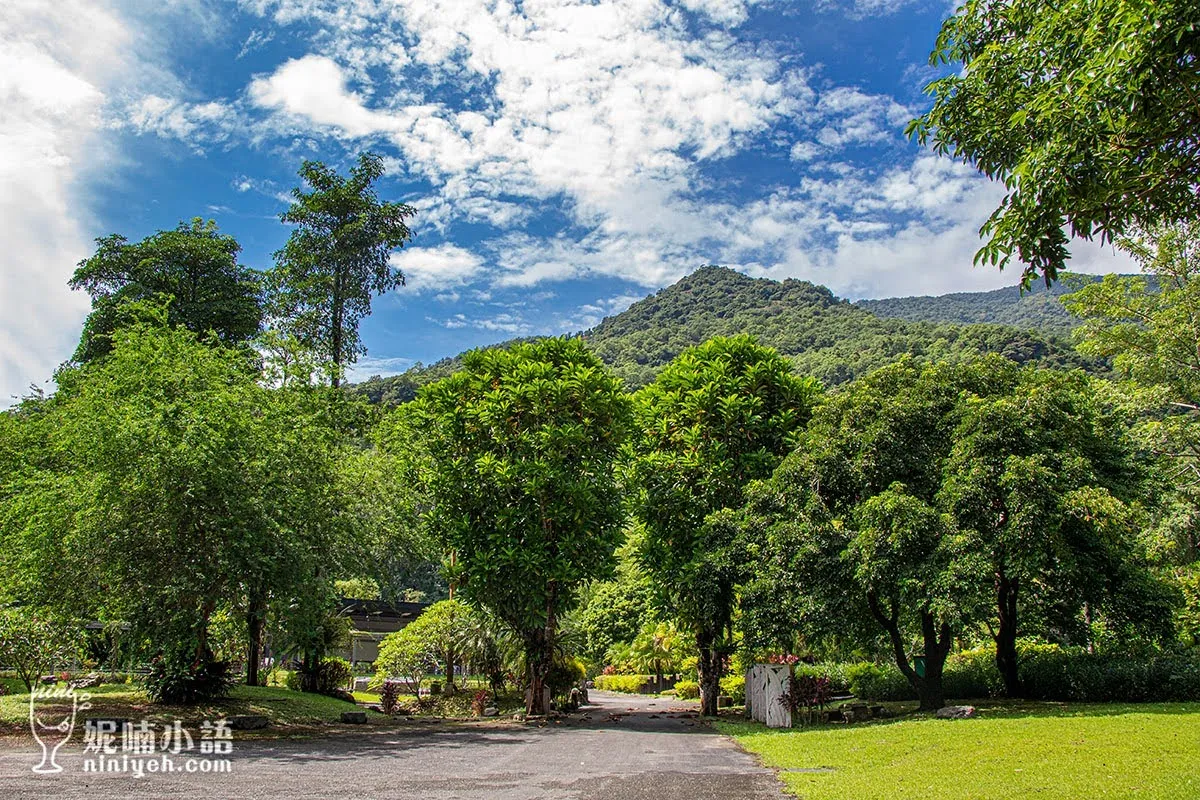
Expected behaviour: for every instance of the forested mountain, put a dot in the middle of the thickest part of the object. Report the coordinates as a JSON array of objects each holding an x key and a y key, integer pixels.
[
  {"x": 829, "y": 338},
  {"x": 1037, "y": 308}
]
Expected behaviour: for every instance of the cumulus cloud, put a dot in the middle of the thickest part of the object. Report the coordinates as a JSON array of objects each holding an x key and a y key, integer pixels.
[
  {"x": 436, "y": 268},
  {"x": 55, "y": 59}
]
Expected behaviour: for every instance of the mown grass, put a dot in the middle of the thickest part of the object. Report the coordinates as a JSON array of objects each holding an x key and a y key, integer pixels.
[
  {"x": 284, "y": 708},
  {"x": 1043, "y": 750}
]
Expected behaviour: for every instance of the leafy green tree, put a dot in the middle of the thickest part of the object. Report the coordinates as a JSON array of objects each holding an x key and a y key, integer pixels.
[
  {"x": 1043, "y": 482},
  {"x": 612, "y": 611},
  {"x": 32, "y": 643},
  {"x": 357, "y": 588},
  {"x": 1086, "y": 109},
  {"x": 440, "y": 635},
  {"x": 336, "y": 259},
  {"x": 719, "y": 416},
  {"x": 171, "y": 486},
  {"x": 1150, "y": 327},
  {"x": 194, "y": 265},
  {"x": 847, "y": 538},
  {"x": 524, "y": 495}
]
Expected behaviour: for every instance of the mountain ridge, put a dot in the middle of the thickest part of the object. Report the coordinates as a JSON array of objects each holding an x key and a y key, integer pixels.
[{"x": 823, "y": 335}]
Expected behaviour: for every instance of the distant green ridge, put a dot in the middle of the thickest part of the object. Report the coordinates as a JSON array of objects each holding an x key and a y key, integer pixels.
[{"x": 825, "y": 336}]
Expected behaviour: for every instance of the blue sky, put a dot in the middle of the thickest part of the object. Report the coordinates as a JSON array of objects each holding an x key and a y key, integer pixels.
[{"x": 566, "y": 158}]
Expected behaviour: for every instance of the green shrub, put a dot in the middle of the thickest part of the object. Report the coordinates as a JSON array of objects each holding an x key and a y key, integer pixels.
[
  {"x": 734, "y": 686},
  {"x": 690, "y": 690},
  {"x": 872, "y": 682},
  {"x": 564, "y": 675},
  {"x": 175, "y": 677},
  {"x": 294, "y": 680},
  {"x": 832, "y": 671},
  {"x": 1070, "y": 674},
  {"x": 628, "y": 684},
  {"x": 333, "y": 675}
]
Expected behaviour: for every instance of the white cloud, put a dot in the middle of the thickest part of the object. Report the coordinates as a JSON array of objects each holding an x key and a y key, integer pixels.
[
  {"x": 610, "y": 106},
  {"x": 436, "y": 268},
  {"x": 55, "y": 59},
  {"x": 368, "y": 366},
  {"x": 314, "y": 88}
]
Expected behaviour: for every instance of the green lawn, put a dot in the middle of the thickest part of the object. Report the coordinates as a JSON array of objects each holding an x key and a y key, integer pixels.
[
  {"x": 286, "y": 709},
  {"x": 1043, "y": 750}
]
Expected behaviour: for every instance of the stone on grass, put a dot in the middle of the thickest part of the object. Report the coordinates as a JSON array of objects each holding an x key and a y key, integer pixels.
[
  {"x": 248, "y": 722},
  {"x": 354, "y": 717},
  {"x": 956, "y": 712},
  {"x": 88, "y": 681},
  {"x": 491, "y": 711}
]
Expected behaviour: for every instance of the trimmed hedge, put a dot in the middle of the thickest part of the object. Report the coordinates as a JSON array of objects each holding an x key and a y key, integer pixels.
[
  {"x": 735, "y": 687},
  {"x": 687, "y": 690},
  {"x": 1048, "y": 672},
  {"x": 627, "y": 684}
]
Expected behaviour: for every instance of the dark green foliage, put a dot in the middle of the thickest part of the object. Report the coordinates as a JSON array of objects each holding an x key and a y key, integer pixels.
[
  {"x": 333, "y": 675},
  {"x": 823, "y": 336},
  {"x": 720, "y": 415},
  {"x": 1086, "y": 110},
  {"x": 193, "y": 265},
  {"x": 1047, "y": 673},
  {"x": 177, "y": 677},
  {"x": 1036, "y": 308},
  {"x": 522, "y": 448},
  {"x": 611, "y": 612},
  {"x": 827, "y": 338},
  {"x": 1074, "y": 675}
]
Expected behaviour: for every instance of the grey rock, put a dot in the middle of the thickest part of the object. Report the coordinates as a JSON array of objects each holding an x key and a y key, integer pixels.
[
  {"x": 491, "y": 711},
  {"x": 87, "y": 681},
  {"x": 354, "y": 717},
  {"x": 248, "y": 722},
  {"x": 956, "y": 712}
]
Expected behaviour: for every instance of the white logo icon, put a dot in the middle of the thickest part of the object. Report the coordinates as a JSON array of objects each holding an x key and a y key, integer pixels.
[{"x": 52, "y": 714}]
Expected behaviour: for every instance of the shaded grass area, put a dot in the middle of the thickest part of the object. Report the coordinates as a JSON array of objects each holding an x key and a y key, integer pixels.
[
  {"x": 284, "y": 708},
  {"x": 1045, "y": 750}
]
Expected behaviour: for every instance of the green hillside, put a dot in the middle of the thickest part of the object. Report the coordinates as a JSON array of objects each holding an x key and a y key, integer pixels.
[
  {"x": 826, "y": 337},
  {"x": 1038, "y": 308}
]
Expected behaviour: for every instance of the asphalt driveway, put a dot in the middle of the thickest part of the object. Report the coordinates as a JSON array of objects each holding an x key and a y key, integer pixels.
[{"x": 619, "y": 748}]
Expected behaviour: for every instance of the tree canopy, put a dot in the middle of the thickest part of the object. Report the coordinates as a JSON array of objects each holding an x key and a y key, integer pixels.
[
  {"x": 336, "y": 259},
  {"x": 523, "y": 485},
  {"x": 1087, "y": 110},
  {"x": 720, "y": 415},
  {"x": 194, "y": 265}
]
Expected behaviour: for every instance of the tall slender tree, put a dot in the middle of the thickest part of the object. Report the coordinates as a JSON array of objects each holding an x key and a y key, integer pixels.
[
  {"x": 337, "y": 259},
  {"x": 719, "y": 416},
  {"x": 523, "y": 484}
]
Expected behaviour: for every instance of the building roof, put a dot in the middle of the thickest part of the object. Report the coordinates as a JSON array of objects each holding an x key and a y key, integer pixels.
[{"x": 379, "y": 616}]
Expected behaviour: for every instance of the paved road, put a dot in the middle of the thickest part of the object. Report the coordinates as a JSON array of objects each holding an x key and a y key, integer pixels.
[{"x": 619, "y": 748}]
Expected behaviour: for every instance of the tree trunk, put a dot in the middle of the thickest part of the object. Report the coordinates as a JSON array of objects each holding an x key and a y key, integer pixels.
[
  {"x": 539, "y": 655},
  {"x": 450, "y": 688},
  {"x": 338, "y": 302},
  {"x": 708, "y": 668},
  {"x": 539, "y": 658},
  {"x": 1006, "y": 633},
  {"x": 254, "y": 631},
  {"x": 936, "y": 639}
]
